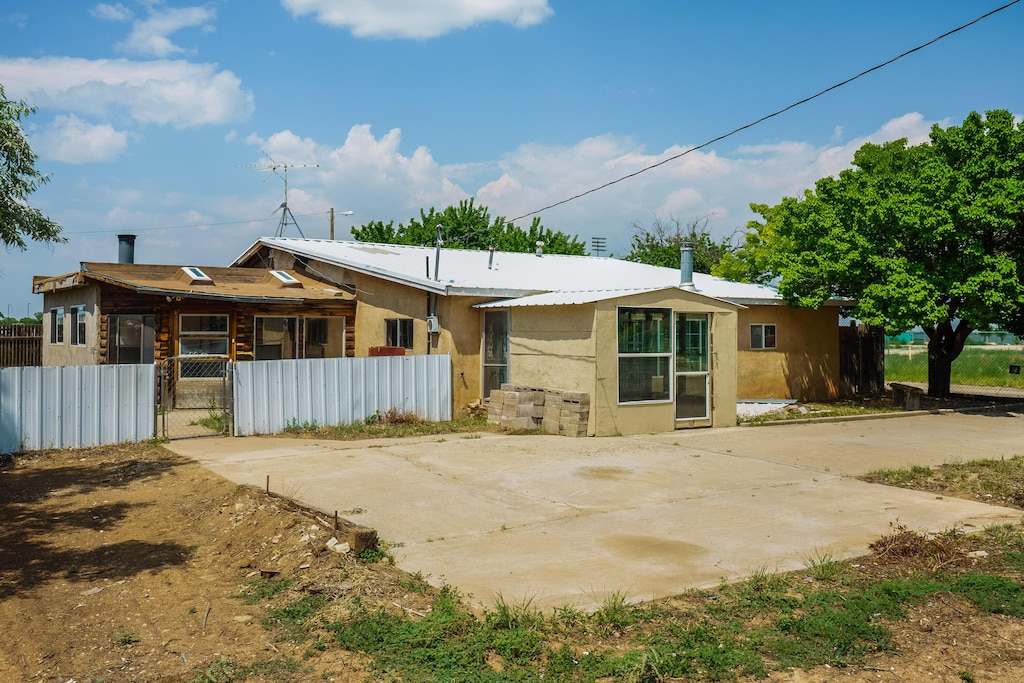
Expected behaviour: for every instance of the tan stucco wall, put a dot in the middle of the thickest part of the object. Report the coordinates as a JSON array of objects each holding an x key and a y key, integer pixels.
[
  {"x": 65, "y": 353},
  {"x": 553, "y": 347},
  {"x": 576, "y": 348},
  {"x": 805, "y": 363}
]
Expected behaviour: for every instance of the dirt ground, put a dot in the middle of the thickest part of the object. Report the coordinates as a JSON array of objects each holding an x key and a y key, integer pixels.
[{"x": 125, "y": 564}]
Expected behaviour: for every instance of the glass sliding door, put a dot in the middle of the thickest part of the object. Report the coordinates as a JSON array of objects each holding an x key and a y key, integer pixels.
[{"x": 692, "y": 357}]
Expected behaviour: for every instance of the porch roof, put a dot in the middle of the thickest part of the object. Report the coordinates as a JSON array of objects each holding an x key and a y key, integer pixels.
[{"x": 230, "y": 284}]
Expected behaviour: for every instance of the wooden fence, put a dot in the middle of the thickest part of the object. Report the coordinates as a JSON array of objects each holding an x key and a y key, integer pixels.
[
  {"x": 862, "y": 359},
  {"x": 21, "y": 345}
]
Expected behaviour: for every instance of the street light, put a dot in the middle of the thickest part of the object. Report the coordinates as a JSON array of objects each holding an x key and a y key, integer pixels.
[{"x": 343, "y": 213}]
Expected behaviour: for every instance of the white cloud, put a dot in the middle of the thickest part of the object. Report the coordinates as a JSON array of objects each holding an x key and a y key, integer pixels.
[
  {"x": 720, "y": 183},
  {"x": 74, "y": 141},
  {"x": 107, "y": 12},
  {"x": 419, "y": 19},
  {"x": 163, "y": 92},
  {"x": 366, "y": 174},
  {"x": 149, "y": 36}
]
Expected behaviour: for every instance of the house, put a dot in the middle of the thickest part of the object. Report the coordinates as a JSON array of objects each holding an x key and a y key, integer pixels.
[
  {"x": 111, "y": 313},
  {"x": 652, "y": 348}
]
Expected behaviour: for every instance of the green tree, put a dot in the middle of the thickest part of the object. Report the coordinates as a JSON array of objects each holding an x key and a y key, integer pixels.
[
  {"x": 659, "y": 245},
  {"x": 18, "y": 179},
  {"x": 468, "y": 226},
  {"x": 929, "y": 235}
]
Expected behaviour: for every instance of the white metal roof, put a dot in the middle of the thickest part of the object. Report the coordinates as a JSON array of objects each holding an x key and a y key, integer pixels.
[
  {"x": 572, "y": 298},
  {"x": 508, "y": 274}
]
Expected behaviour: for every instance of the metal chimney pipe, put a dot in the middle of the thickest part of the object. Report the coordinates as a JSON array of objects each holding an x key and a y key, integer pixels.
[
  {"x": 490, "y": 259},
  {"x": 437, "y": 255},
  {"x": 686, "y": 267},
  {"x": 540, "y": 248},
  {"x": 126, "y": 248}
]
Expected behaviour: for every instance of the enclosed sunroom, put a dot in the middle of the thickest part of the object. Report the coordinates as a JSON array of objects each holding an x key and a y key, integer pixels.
[{"x": 647, "y": 358}]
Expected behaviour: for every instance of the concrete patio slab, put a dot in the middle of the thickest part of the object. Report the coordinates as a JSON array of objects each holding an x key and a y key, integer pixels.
[{"x": 569, "y": 521}]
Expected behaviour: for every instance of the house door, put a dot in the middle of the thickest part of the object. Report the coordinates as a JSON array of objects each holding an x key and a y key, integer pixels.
[
  {"x": 693, "y": 377},
  {"x": 495, "y": 350}
]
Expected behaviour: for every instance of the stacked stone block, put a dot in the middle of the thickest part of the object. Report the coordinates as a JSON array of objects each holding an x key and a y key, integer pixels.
[{"x": 554, "y": 411}]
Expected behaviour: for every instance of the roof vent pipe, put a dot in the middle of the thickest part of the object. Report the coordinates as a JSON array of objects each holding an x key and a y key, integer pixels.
[
  {"x": 126, "y": 248},
  {"x": 437, "y": 255},
  {"x": 490, "y": 259},
  {"x": 540, "y": 248},
  {"x": 686, "y": 267}
]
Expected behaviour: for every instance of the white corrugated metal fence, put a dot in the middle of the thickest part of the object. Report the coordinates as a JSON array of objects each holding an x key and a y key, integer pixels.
[
  {"x": 74, "y": 406},
  {"x": 271, "y": 395}
]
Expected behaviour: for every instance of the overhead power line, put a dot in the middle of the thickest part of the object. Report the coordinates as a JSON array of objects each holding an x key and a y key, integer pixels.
[
  {"x": 768, "y": 116},
  {"x": 192, "y": 225}
]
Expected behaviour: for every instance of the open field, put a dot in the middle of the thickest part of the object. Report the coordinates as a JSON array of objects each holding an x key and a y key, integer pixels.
[{"x": 987, "y": 366}]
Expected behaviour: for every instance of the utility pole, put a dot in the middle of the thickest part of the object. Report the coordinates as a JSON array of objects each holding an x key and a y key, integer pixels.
[{"x": 343, "y": 213}]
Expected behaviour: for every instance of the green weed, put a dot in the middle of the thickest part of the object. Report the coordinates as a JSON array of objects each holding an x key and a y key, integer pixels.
[
  {"x": 216, "y": 419},
  {"x": 823, "y": 566},
  {"x": 293, "y": 619},
  {"x": 260, "y": 589},
  {"x": 514, "y": 615},
  {"x": 125, "y": 639}
]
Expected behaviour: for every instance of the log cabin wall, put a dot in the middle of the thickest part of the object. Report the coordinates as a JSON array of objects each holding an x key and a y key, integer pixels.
[{"x": 119, "y": 301}]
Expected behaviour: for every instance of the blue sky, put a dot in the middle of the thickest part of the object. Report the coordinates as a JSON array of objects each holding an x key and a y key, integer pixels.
[{"x": 146, "y": 109}]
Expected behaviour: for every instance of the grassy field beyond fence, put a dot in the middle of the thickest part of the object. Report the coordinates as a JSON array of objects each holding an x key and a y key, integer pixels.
[{"x": 985, "y": 366}]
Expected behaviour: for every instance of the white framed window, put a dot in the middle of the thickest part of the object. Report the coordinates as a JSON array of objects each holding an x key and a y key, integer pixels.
[
  {"x": 645, "y": 354},
  {"x": 202, "y": 335},
  {"x": 762, "y": 336},
  {"x": 398, "y": 332},
  {"x": 57, "y": 325},
  {"x": 78, "y": 325}
]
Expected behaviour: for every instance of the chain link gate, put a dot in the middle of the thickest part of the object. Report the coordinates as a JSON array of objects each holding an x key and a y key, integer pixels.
[{"x": 194, "y": 396}]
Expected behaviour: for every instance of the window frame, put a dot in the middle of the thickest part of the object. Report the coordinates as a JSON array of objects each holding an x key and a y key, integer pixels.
[
  {"x": 146, "y": 332},
  {"x": 78, "y": 325},
  {"x": 404, "y": 338},
  {"x": 763, "y": 327},
  {"x": 214, "y": 335},
  {"x": 57, "y": 325},
  {"x": 258, "y": 331},
  {"x": 496, "y": 352},
  {"x": 323, "y": 338},
  {"x": 663, "y": 356}
]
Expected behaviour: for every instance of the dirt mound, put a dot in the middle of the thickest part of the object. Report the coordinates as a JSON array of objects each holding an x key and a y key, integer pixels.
[{"x": 125, "y": 564}]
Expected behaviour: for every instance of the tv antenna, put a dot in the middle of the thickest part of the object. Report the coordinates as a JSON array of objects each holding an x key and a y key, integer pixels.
[{"x": 287, "y": 217}]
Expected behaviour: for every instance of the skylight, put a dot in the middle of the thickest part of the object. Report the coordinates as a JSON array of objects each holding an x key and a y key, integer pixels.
[
  {"x": 284, "y": 277},
  {"x": 196, "y": 273}
]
